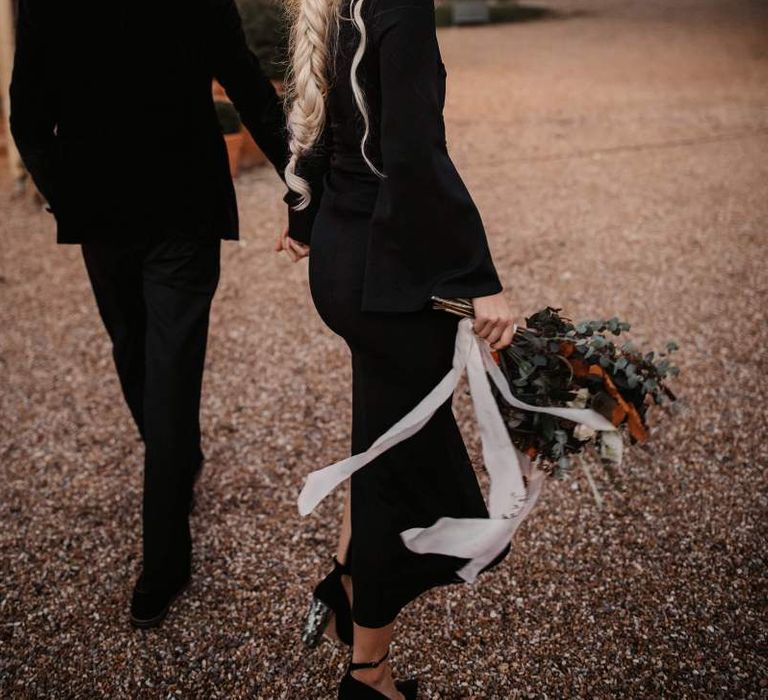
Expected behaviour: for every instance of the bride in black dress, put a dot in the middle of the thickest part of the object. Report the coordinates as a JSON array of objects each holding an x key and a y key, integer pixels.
[{"x": 390, "y": 224}]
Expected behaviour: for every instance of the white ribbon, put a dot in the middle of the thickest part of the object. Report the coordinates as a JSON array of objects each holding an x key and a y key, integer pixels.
[{"x": 480, "y": 540}]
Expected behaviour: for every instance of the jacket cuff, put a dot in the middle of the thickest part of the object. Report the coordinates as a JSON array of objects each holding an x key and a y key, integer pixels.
[
  {"x": 468, "y": 291},
  {"x": 300, "y": 222}
]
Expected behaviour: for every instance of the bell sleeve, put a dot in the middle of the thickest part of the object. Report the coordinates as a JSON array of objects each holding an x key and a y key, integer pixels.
[{"x": 427, "y": 238}]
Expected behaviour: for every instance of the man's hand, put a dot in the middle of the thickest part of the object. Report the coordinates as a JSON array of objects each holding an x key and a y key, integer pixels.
[
  {"x": 296, "y": 251},
  {"x": 494, "y": 321}
]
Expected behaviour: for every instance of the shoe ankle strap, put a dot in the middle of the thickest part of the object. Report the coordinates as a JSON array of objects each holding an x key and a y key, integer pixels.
[
  {"x": 344, "y": 568},
  {"x": 354, "y": 666}
]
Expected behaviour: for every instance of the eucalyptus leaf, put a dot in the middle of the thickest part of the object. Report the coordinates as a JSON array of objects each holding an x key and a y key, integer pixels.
[{"x": 547, "y": 426}]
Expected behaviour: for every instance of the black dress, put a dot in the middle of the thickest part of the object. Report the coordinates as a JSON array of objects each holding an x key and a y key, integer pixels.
[{"x": 380, "y": 248}]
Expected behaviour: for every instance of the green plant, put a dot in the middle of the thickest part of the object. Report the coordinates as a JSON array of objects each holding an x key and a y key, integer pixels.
[
  {"x": 266, "y": 29},
  {"x": 553, "y": 362},
  {"x": 229, "y": 119},
  {"x": 507, "y": 11},
  {"x": 500, "y": 11},
  {"x": 444, "y": 14}
]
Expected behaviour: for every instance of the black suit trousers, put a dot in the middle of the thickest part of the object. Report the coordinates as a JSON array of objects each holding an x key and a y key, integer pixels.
[{"x": 155, "y": 300}]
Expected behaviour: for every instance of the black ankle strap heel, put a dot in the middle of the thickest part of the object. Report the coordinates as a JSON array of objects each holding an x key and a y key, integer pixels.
[
  {"x": 329, "y": 606},
  {"x": 344, "y": 569},
  {"x": 353, "y": 689},
  {"x": 355, "y": 666}
]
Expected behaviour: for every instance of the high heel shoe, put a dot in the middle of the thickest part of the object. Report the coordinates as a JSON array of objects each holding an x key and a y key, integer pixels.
[
  {"x": 329, "y": 606},
  {"x": 353, "y": 689}
]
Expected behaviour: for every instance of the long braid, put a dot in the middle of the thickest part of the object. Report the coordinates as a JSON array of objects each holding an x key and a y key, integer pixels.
[
  {"x": 308, "y": 85},
  {"x": 312, "y": 39}
]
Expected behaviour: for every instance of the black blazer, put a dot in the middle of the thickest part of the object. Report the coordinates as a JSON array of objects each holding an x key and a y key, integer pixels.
[
  {"x": 112, "y": 113},
  {"x": 426, "y": 235}
]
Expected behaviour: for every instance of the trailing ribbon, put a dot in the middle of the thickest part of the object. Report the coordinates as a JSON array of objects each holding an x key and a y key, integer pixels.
[{"x": 480, "y": 540}]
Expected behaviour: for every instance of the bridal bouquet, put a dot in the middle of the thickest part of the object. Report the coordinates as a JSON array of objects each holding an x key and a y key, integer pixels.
[
  {"x": 553, "y": 362},
  {"x": 558, "y": 389}
]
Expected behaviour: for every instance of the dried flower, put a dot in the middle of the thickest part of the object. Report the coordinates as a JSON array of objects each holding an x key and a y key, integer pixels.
[{"x": 554, "y": 362}]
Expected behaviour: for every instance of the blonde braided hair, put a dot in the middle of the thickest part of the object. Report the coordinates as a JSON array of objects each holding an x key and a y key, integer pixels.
[{"x": 314, "y": 28}]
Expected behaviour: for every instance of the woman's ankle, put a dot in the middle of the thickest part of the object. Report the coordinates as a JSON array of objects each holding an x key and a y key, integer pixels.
[
  {"x": 371, "y": 674},
  {"x": 379, "y": 677},
  {"x": 346, "y": 583}
]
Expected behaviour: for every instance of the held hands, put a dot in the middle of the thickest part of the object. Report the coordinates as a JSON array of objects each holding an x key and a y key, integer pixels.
[
  {"x": 296, "y": 251},
  {"x": 494, "y": 321}
]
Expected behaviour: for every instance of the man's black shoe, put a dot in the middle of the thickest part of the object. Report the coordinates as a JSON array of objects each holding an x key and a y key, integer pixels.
[{"x": 149, "y": 607}]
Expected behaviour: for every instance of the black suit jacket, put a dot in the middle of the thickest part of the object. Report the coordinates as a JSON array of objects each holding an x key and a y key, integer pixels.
[{"x": 112, "y": 113}]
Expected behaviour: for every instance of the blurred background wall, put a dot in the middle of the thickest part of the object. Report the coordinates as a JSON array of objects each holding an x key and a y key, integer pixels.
[{"x": 9, "y": 157}]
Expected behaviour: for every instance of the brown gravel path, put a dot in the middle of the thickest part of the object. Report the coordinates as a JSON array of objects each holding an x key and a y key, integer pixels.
[{"x": 618, "y": 154}]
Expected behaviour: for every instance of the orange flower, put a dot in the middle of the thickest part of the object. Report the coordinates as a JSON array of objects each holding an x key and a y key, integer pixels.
[
  {"x": 623, "y": 410},
  {"x": 579, "y": 367}
]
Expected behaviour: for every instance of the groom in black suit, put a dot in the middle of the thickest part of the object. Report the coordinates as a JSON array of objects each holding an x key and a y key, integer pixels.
[{"x": 112, "y": 113}]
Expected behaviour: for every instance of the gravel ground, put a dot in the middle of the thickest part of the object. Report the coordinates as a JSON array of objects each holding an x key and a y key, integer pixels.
[{"x": 618, "y": 153}]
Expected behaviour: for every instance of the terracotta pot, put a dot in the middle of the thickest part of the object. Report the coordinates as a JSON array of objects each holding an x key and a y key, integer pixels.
[
  {"x": 234, "y": 149},
  {"x": 251, "y": 155}
]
